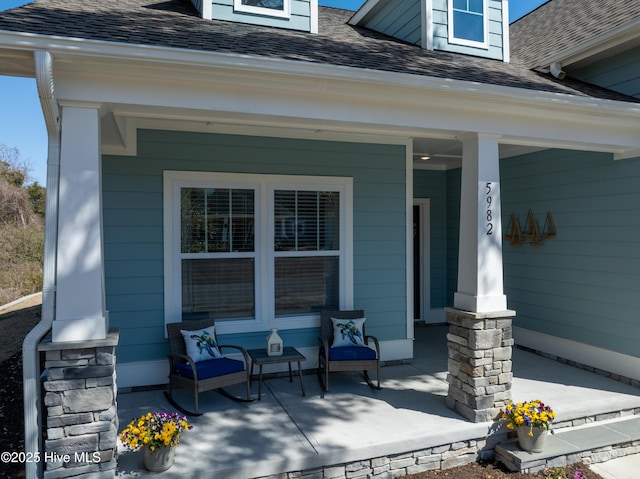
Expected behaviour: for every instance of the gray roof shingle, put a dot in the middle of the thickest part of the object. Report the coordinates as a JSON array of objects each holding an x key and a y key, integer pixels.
[
  {"x": 176, "y": 24},
  {"x": 559, "y": 24}
]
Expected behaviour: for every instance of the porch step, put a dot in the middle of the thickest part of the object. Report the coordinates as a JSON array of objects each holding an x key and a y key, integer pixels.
[{"x": 593, "y": 443}]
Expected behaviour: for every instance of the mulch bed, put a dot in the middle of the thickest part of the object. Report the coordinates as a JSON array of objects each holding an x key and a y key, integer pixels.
[
  {"x": 492, "y": 470},
  {"x": 11, "y": 415}
]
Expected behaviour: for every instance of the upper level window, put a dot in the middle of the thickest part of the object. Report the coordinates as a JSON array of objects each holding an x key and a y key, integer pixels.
[
  {"x": 273, "y": 8},
  {"x": 468, "y": 22}
]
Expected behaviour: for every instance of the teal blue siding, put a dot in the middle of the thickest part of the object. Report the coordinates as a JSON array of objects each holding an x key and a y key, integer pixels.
[
  {"x": 583, "y": 284},
  {"x": 400, "y": 19},
  {"x": 300, "y": 15},
  {"x": 301, "y": 338},
  {"x": 619, "y": 72},
  {"x": 441, "y": 29},
  {"x": 133, "y": 226},
  {"x": 443, "y": 189},
  {"x": 432, "y": 184},
  {"x": 198, "y": 5}
]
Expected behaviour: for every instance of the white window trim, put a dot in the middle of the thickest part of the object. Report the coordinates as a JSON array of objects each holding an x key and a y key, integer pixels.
[
  {"x": 264, "y": 186},
  {"x": 462, "y": 41},
  {"x": 238, "y": 6}
]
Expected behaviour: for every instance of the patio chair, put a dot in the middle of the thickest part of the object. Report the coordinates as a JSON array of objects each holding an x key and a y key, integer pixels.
[
  {"x": 208, "y": 369},
  {"x": 333, "y": 357}
]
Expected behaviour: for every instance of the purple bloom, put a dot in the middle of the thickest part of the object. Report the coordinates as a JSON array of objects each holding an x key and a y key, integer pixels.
[{"x": 579, "y": 475}]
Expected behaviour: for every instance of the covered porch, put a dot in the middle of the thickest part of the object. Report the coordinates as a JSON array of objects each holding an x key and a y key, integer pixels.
[{"x": 403, "y": 428}]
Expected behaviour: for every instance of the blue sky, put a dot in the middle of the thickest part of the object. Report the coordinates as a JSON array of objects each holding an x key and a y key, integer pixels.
[{"x": 22, "y": 124}]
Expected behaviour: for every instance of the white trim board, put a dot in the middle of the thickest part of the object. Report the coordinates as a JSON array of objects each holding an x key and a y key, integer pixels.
[{"x": 604, "y": 359}]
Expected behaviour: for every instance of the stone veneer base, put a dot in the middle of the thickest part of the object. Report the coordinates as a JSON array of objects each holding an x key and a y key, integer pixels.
[
  {"x": 80, "y": 412},
  {"x": 397, "y": 465},
  {"x": 480, "y": 369}
]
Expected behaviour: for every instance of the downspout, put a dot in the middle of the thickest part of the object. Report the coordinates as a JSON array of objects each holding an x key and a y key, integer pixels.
[{"x": 30, "y": 356}]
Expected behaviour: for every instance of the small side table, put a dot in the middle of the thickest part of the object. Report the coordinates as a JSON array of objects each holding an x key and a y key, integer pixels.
[{"x": 289, "y": 355}]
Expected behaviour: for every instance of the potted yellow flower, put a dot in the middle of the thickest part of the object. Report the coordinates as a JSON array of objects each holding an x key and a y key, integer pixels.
[
  {"x": 157, "y": 434},
  {"x": 532, "y": 421}
]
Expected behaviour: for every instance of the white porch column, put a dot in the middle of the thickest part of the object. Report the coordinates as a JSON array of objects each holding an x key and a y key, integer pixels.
[
  {"x": 480, "y": 333},
  {"x": 480, "y": 281},
  {"x": 80, "y": 312}
]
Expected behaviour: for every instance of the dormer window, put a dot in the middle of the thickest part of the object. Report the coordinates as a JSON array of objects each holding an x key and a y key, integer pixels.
[
  {"x": 271, "y": 8},
  {"x": 468, "y": 22}
]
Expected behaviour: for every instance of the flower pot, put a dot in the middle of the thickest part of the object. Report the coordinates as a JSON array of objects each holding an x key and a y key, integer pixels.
[
  {"x": 534, "y": 443},
  {"x": 159, "y": 459}
]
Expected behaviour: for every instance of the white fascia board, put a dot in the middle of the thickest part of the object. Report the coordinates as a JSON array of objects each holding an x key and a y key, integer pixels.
[
  {"x": 180, "y": 59},
  {"x": 314, "y": 17},
  {"x": 506, "y": 43},
  {"x": 18, "y": 63},
  {"x": 558, "y": 119},
  {"x": 627, "y": 154},
  {"x": 362, "y": 13},
  {"x": 628, "y": 32},
  {"x": 426, "y": 11}
]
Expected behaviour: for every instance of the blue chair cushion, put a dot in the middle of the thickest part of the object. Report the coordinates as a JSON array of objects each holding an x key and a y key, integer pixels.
[
  {"x": 351, "y": 353},
  {"x": 211, "y": 368}
]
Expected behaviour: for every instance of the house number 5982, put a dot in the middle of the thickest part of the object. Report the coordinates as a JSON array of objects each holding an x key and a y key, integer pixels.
[{"x": 488, "y": 197}]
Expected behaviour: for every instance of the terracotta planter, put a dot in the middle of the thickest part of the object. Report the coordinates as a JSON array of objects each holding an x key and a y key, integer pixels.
[
  {"x": 533, "y": 443},
  {"x": 158, "y": 460}
]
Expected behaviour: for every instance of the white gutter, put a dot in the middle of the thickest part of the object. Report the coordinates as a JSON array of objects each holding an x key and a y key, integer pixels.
[
  {"x": 364, "y": 10},
  {"x": 76, "y": 48},
  {"x": 30, "y": 355}
]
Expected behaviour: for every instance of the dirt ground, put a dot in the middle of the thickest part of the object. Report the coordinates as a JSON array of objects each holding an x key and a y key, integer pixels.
[
  {"x": 491, "y": 470},
  {"x": 17, "y": 321}
]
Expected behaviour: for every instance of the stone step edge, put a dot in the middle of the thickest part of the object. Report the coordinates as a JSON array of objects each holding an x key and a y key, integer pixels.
[
  {"x": 589, "y": 444},
  {"x": 599, "y": 418}
]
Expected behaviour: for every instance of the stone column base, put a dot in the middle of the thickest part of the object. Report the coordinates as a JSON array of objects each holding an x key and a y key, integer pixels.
[
  {"x": 480, "y": 374},
  {"x": 80, "y": 408}
]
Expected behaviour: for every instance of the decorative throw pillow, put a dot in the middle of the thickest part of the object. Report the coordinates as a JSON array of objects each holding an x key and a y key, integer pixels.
[
  {"x": 347, "y": 332},
  {"x": 201, "y": 345}
]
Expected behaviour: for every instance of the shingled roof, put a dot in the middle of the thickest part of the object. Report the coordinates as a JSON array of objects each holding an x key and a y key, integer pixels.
[
  {"x": 560, "y": 24},
  {"x": 176, "y": 24}
]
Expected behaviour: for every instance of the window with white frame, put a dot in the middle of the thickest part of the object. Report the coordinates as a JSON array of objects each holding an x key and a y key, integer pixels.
[
  {"x": 468, "y": 22},
  {"x": 306, "y": 248},
  {"x": 217, "y": 251},
  {"x": 273, "y": 8},
  {"x": 256, "y": 250}
]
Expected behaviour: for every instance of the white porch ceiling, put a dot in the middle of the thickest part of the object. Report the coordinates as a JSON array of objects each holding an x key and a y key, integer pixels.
[{"x": 445, "y": 154}]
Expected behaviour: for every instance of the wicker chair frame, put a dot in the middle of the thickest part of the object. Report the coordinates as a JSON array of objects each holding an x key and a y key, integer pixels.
[
  {"x": 325, "y": 365},
  {"x": 179, "y": 355}
]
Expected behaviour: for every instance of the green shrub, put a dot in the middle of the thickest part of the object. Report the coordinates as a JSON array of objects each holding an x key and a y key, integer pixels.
[
  {"x": 21, "y": 229},
  {"x": 21, "y": 257}
]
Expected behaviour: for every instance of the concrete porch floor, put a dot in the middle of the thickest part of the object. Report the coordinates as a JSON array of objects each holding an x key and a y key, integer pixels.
[{"x": 288, "y": 432}]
